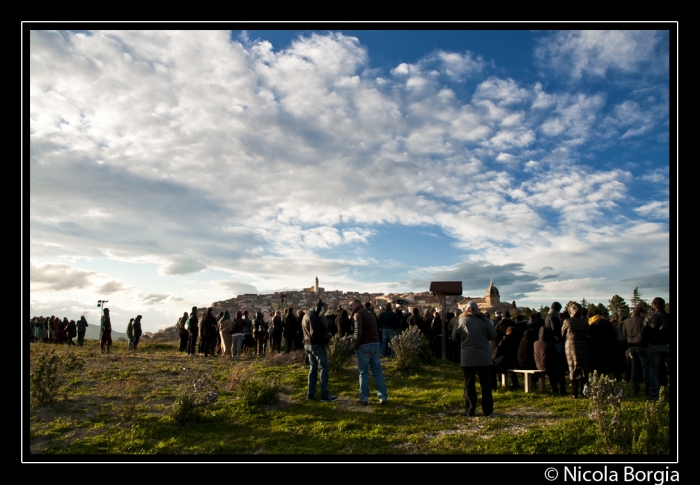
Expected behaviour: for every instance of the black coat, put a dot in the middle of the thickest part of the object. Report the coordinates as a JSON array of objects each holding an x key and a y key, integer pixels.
[
  {"x": 506, "y": 354},
  {"x": 526, "y": 350},
  {"x": 547, "y": 357}
]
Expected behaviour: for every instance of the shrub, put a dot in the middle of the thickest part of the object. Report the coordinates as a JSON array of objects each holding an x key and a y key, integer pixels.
[
  {"x": 339, "y": 351},
  {"x": 651, "y": 435},
  {"x": 410, "y": 349},
  {"x": 49, "y": 374},
  {"x": 191, "y": 400},
  {"x": 258, "y": 391},
  {"x": 605, "y": 409},
  {"x": 617, "y": 432}
]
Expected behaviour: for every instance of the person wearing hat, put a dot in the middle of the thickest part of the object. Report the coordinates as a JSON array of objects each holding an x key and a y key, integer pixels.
[
  {"x": 315, "y": 330},
  {"x": 473, "y": 332}
]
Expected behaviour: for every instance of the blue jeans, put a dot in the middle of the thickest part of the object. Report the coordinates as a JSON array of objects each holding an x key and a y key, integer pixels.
[
  {"x": 368, "y": 356},
  {"x": 640, "y": 368},
  {"x": 658, "y": 355},
  {"x": 317, "y": 358},
  {"x": 387, "y": 335}
]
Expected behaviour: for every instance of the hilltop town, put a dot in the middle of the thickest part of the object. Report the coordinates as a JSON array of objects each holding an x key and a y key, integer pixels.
[{"x": 305, "y": 299}]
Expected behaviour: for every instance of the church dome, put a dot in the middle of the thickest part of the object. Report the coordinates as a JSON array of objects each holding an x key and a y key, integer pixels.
[{"x": 492, "y": 291}]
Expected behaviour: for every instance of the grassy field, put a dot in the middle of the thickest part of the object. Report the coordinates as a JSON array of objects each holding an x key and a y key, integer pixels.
[{"x": 122, "y": 404}]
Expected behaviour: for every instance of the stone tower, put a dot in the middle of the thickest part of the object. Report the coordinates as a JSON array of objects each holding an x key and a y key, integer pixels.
[
  {"x": 493, "y": 298},
  {"x": 316, "y": 285}
]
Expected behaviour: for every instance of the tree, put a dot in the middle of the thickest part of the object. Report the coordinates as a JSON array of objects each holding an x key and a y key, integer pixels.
[
  {"x": 513, "y": 306},
  {"x": 544, "y": 310},
  {"x": 636, "y": 299},
  {"x": 618, "y": 308},
  {"x": 590, "y": 307},
  {"x": 584, "y": 303},
  {"x": 602, "y": 309}
]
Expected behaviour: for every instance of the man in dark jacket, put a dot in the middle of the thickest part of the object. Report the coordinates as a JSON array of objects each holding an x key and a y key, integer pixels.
[
  {"x": 105, "y": 331},
  {"x": 81, "y": 325},
  {"x": 315, "y": 330},
  {"x": 389, "y": 323},
  {"x": 368, "y": 350},
  {"x": 290, "y": 330},
  {"x": 549, "y": 361},
  {"x": 657, "y": 330},
  {"x": 193, "y": 330},
  {"x": 638, "y": 349},
  {"x": 208, "y": 332},
  {"x": 553, "y": 322},
  {"x": 137, "y": 330}
]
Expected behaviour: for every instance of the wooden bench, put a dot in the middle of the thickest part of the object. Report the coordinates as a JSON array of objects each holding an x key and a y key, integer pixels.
[{"x": 527, "y": 373}]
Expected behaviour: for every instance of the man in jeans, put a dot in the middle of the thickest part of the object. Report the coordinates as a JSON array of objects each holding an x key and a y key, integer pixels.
[
  {"x": 638, "y": 348},
  {"x": 368, "y": 350},
  {"x": 315, "y": 330},
  {"x": 657, "y": 331}
]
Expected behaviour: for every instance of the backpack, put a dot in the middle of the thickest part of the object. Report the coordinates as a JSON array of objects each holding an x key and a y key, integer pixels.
[{"x": 187, "y": 325}]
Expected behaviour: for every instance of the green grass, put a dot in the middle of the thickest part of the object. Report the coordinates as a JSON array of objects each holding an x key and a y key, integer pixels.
[{"x": 120, "y": 404}]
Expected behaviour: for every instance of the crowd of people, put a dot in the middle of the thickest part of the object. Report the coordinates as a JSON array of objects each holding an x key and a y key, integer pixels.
[{"x": 570, "y": 341}]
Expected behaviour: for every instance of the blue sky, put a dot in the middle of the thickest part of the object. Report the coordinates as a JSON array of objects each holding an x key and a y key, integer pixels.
[{"x": 177, "y": 168}]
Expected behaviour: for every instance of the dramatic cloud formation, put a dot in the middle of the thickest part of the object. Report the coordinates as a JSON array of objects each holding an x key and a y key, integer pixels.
[{"x": 178, "y": 168}]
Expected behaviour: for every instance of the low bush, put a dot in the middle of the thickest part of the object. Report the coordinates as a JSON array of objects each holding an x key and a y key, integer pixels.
[
  {"x": 258, "y": 391},
  {"x": 619, "y": 432},
  {"x": 49, "y": 374},
  {"x": 339, "y": 351},
  {"x": 411, "y": 349},
  {"x": 192, "y": 400}
]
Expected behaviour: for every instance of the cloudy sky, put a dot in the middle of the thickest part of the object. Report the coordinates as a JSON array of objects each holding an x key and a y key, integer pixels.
[{"x": 176, "y": 168}]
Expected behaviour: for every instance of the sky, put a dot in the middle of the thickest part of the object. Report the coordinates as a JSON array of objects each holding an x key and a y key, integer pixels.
[{"x": 169, "y": 169}]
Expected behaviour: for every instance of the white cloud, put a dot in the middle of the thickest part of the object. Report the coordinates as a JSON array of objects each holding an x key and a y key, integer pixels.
[{"x": 595, "y": 52}]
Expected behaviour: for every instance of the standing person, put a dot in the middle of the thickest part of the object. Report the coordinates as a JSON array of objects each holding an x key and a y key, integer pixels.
[
  {"x": 657, "y": 330},
  {"x": 389, "y": 323},
  {"x": 105, "y": 331},
  {"x": 343, "y": 323},
  {"x": 248, "y": 340},
  {"x": 315, "y": 330},
  {"x": 192, "y": 325},
  {"x": 436, "y": 330},
  {"x": 553, "y": 322},
  {"x": 473, "y": 332},
  {"x": 299, "y": 341},
  {"x": 182, "y": 330},
  {"x": 260, "y": 331},
  {"x": 415, "y": 319},
  {"x": 81, "y": 325},
  {"x": 225, "y": 327},
  {"x": 130, "y": 333},
  {"x": 208, "y": 331},
  {"x": 289, "y": 330},
  {"x": 638, "y": 348},
  {"x": 237, "y": 334},
  {"x": 137, "y": 331},
  {"x": 548, "y": 360},
  {"x": 276, "y": 332},
  {"x": 71, "y": 332},
  {"x": 574, "y": 331},
  {"x": 368, "y": 350},
  {"x": 38, "y": 329}
]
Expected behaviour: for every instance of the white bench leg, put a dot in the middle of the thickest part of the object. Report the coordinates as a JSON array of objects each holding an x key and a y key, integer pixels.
[{"x": 527, "y": 382}]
